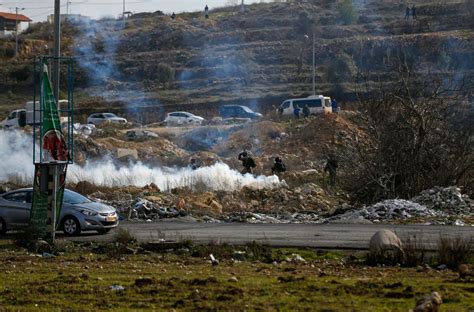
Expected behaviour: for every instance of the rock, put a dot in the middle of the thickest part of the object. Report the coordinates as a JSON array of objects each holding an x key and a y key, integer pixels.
[
  {"x": 233, "y": 279},
  {"x": 127, "y": 153},
  {"x": 442, "y": 267},
  {"x": 295, "y": 258},
  {"x": 385, "y": 240},
  {"x": 465, "y": 271},
  {"x": 117, "y": 288},
  {"x": 429, "y": 303},
  {"x": 42, "y": 247}
]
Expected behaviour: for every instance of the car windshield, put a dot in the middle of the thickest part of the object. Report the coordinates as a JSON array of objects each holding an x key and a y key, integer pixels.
[
  {"x": 110, "y": 115},
  {"x": 71, "y": 197},
  {"x": 248, "y": 110}
]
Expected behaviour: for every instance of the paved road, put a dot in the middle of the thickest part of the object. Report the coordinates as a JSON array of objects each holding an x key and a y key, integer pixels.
[{"x": 337, "y": 236}]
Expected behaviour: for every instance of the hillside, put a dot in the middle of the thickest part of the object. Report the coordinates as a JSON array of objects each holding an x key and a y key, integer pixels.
[{"x": 259, "y": 57}]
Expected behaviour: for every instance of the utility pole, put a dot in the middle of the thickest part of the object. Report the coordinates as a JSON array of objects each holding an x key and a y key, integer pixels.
[
  {"x": 123, "y": 14},
  {"x": 314, "y": 87},
  {"x": 57, "y": 48},
  {"x": 16, "y": 29},
  {"x": 242, "y": 7}
]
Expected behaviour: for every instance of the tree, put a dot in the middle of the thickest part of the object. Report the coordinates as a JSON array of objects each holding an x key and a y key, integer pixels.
[
  {"x": 347, "y": 12},
  {"x": 418, "y": 136}
]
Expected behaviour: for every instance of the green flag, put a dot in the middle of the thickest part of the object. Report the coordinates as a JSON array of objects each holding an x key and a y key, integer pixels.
[{"x": 53, "y": 142}]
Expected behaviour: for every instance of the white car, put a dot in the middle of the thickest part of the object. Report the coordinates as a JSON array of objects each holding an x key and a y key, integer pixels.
[
  {"x": 99, "y": 118},
  {"x": 183, "y": 118}
]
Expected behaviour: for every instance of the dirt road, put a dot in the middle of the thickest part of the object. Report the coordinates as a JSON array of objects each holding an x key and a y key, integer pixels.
[{"x": 337, "y": 236}]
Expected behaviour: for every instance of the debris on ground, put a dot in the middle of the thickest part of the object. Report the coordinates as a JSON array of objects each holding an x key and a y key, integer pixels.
[
  {"x": 214, "y": 261},
  {"x": 446, "y": 199},
  {"x": 85, "y": 130},
  {"x": 429, "y": 303},
  {"x": 140, "y": 134},
  {"x": 117, "y": 288}
]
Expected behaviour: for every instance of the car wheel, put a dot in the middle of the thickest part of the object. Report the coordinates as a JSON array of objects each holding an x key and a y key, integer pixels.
[
  {"x": 103, "y": 231},
  {"x": 71, "y": 226},
  {"x": 3, "y": 227}
]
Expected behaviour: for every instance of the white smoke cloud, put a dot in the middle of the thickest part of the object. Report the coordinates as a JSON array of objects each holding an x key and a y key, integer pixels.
[{"x": 16, "y": 164}]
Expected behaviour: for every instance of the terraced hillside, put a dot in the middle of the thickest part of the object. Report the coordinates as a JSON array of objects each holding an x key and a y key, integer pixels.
[{"x": 154, "y": 64}]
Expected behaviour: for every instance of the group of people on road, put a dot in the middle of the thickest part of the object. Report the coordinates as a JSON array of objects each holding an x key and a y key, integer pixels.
[{"x": 411, "y": 11}]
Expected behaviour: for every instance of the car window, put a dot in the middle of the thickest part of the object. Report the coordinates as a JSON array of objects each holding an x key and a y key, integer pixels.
[
  {"x": 12, "y": 115},
  {"x": 285, "y": 104},
  {"x": 172, "y": 114},
  {"x": 310, "y": 103},
  {"x": 246, "y": 109},
  {"x": 327, "y": 102},
  {"x": 18, "y": 197},
  {"x": 71, "y": 197},
  {"x": 109, "y": 115}
]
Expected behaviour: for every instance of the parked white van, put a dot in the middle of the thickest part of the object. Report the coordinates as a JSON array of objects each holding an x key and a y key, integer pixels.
[
  {"x": 317, "y": 104},
  {"x": 28, "y": 116}
]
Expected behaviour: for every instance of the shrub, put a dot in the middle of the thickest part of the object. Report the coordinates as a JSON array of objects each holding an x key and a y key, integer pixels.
[
  {"x": 454, "y": 251},
  {"x": 414, "y": 252},
  {"x": 347, "y": 12}
]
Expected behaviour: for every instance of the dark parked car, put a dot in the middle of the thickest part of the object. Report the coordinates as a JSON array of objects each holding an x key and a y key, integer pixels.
[
  {"x": 77, "y": 214},
  {"x": 238, "y": 111}
]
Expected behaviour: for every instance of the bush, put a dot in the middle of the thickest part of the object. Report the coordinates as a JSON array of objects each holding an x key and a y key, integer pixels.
[
  {"x": 454, "y": 251},
  {"x": 347, "y": 12}
]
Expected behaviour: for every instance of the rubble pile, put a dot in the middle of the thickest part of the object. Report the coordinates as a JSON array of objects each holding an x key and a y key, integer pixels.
[
  {"x": 307, "y": 203},
  {"x": 387, "y": 210},
  {"x": 446, "y": 199}
]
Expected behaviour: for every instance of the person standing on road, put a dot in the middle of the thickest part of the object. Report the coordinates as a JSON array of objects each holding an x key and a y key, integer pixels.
[
  {"x": 407, "y": 13},
  {"x": 334, "y": 105},
  {"x": 206, "y": 11},
  {"x": 306, "y": 111},
  {"x": 296, "y": 111}
]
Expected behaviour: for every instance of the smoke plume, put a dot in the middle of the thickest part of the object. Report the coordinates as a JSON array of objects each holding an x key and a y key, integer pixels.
[{"x": 16, "y": 165}]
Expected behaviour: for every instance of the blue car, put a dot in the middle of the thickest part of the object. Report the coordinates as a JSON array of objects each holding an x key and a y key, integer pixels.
[{"x": 77, "y": 214}]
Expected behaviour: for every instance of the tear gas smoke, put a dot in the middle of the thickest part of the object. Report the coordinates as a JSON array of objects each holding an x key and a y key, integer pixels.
[{"x": 16, "y": 165}]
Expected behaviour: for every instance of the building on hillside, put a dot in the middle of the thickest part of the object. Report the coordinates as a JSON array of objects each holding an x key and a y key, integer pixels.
[{"x": 10, "y": 22}]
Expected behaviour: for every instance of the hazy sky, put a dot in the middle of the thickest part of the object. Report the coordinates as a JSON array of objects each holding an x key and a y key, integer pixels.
[{"x": 38, "y": 10}]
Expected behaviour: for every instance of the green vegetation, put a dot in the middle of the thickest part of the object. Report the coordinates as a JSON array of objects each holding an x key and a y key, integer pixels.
[
  {"x": 185, "y": 279},
  {"x": 347, "y": 12}
]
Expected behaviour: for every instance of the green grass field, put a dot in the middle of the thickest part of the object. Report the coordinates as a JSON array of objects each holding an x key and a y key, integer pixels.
[{"x": 82, "y": 279}]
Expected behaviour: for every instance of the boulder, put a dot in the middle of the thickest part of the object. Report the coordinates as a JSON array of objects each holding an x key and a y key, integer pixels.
[{"x": 385, "y": 240}]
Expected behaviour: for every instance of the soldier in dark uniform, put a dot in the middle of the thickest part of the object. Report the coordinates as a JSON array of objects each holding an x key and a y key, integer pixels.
[
  {"x": 247, "y": 162},
  {"x": 331, "y": 167},
  {"x": 278, "y": 166}
]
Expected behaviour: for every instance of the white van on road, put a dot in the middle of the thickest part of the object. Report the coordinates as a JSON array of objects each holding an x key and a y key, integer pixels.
[{"x": 317, "y": 104}]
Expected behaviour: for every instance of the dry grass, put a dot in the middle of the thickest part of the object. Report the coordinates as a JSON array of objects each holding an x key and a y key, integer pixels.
[{"x": 453, "y": 251}]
